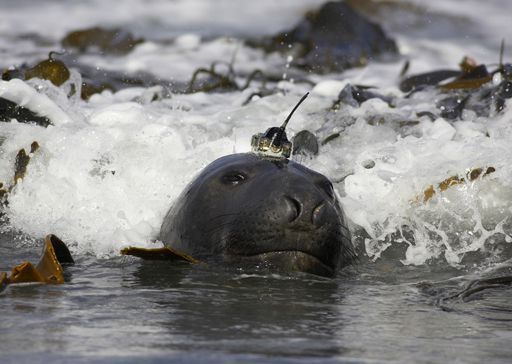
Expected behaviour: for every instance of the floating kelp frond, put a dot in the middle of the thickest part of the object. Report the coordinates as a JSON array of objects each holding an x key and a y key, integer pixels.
[
  {"x": 20, "y": 169},
  {"x": 3, "y": 194},
  {"x": 51, "y": 69},
  {"x": 433, "y": 78},
  {"x": 114, "y": 41},
  {"x": 48, "y": 270},
  {"x": 471, "y": 176},
  {"x": 473, "y": 88},
  {"x": 164, "y": 253},
  {"x": 21, "y": 163},
  {"x": 216, "y": 80}
]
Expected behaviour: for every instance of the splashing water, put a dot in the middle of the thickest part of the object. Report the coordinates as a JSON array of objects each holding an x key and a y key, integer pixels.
[{"x": 110, "y": 167}]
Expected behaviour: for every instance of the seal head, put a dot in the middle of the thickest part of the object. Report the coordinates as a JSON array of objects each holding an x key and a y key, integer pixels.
[{"x": 247, "y": 210}]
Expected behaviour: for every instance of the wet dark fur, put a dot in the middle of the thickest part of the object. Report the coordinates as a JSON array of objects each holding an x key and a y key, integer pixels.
[{"x": 247, "y": 211}]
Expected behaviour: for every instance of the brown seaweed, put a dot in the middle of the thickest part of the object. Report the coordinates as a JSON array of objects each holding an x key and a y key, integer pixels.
[
  {"x": 421, "y": 80},
  {"x": 50, "y": 69},
  {"x": 98, "y": 80},
  {"x": 471, "y": 176},
  {"x": 215, "y": 80},
  {"x": 21, "y": 163},
  {"x": 471, "y": 89},
  {"x": 211, "y": 79},
  {"x": 20, "y": 169},
  {"x": 113, "y": 41}
]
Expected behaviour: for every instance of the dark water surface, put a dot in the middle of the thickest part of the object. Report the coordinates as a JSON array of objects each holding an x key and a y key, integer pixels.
[{"x": 127, "y": 310}]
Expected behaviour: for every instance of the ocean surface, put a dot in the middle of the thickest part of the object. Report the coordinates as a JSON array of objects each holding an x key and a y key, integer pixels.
[{"x": 110, "y": 167}]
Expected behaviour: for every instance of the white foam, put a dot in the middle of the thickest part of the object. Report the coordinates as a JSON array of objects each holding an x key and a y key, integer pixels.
[
  {"x": 22, "y": 94},
  {"x": 110, "y": 168}
]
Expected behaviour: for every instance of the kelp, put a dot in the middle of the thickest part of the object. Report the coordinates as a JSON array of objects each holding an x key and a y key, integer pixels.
[
  {"x": 48, "y": 270},
  {"x": 112, "y": 41},
  {"x": 164, "y": 253},
  {"x": 330, "y": 138},
  {"x": 10, "y": 110},
  {"x": 473, "y": 87},
  {"x": 473, "y": 76},
  {"x": 470, "y": 176},
  {"x": 433, "y": 78},
  {"x": 213, "y": 80},
  {"x": 470, "y": 291},
  {"x": 20, "y": 169},
  {"x": 21, "y": 162},
  {"x": 470, "y": 76},
  {"x": 98, "y": 80},
  {"x": 94, "y": 81},
  {"x": 51, "y": 69},
  {"x": 3, "y": 193}
]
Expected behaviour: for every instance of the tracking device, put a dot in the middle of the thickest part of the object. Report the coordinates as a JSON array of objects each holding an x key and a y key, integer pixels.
[{"x": 274, "y": 143}]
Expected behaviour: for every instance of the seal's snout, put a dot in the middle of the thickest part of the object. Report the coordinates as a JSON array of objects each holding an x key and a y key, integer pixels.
[
  {"x": 297, "y": 211},
  {"x": 318, "y": 216},
  {"x": 293, "y": 208}
]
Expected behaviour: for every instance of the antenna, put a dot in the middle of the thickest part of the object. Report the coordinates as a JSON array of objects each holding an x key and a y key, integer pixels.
[
  {"x": 295, "y": 108},
  {"x": 274, "y": 143},
  {"x": 502, "y": 50},
  {"x": 276, "y": 139}
]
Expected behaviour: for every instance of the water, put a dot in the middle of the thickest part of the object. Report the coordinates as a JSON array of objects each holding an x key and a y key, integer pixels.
[
  {"x": 124, "y": 310},
  {"x": 108, "y": 170}
]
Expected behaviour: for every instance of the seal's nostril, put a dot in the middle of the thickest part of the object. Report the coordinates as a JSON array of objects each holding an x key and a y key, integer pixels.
[
  {"x": 294, "y": 208},
  {"x": 317, "y": 218}
]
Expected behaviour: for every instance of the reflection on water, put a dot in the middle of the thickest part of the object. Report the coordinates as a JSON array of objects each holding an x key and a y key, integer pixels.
[
  {"x": 123, "y": 309},
  {"x": 240, "y": 313}
]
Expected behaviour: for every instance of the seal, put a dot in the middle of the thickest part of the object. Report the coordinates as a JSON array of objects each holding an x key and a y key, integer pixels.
[{"x": 251, "y": 211}]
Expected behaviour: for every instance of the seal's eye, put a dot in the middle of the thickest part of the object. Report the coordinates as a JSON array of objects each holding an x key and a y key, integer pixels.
[
  {"x": 327, "y": 187},
  {"x": 234, "y": 178}
]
